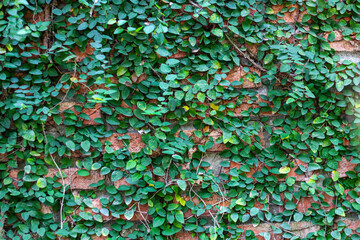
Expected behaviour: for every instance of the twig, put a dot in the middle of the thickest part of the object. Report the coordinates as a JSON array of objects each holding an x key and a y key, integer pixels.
[
  {"x": 245, "y": 55},
  {"x": 92, "y": 8},
  {"x": 62, "y": 180}
]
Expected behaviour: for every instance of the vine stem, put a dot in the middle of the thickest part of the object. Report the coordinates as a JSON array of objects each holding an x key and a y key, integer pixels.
[
  {"x": 245, "y": 55},
  {"x": 62, "y": 180}
]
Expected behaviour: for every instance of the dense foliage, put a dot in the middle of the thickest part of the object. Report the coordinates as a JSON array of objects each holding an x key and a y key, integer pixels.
[{"x": 159, "y": 69}]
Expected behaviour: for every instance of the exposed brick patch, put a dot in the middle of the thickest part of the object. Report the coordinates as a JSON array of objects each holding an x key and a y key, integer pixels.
[
  {"x": 95, "y": 204},
  {"x": 345, "y": 46},
  {"x": 216, "y": 201},
  {"x": 244, "y": 106},
  {"x": 345, "y": 166},
  {"x": 299, "y": 177},
  {"x": 138, "y": 79},
  {"x": 80, "y": 56},
  {"x": 140, "y": 214},
  {"x": 215, "y": 134},
  {"x": 300, "y": 229},
  {"x": 93, "y": 113},
  {"x": 135, "y": 142},
  {"x": 289, "y": 17},
  {"x": 338, "y": 36},
  {"x": 121, "y": 182},
  {"x": 3, "y": 157},
  {"x": 179, "y": 55},
  {"x": 76, "y": 181},
  {"x": 30, "y": 17},
  {"x": 184, "y": 235},
  {"x": 45, "y": 209},
  {"x": 237, "y": 73},
  {"x": 305, "y": 203},
  {"x": 353, "y": 224}
]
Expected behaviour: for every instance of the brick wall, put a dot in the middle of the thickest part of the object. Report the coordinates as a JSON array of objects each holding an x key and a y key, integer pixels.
[{"x": 347, "y": 50}]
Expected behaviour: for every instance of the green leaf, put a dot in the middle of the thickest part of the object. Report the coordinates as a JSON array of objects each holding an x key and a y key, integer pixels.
[
  {"x": 298, "y": 217},
  {"x": 41, "y": 183},
  {"x": 192, "y": 41},
  {"x": 85, "y": 145},
  {"x": 71, "y": 145},
  {"x": 179, "y": 216},
  {"x": 129, "y": 214},
  {"x": 340, "y": 211},
  {"x": 116, "y": 175},
  {"x": 268, "y": 58},
  {"x": 254, "y": 211},
  {"x": 29, "y": 135},
  {"x": 234, "y": 216},
  {"x": 340, "y": 85},
  {"x": 83, "y": 173},
  {"x": 284, "y": 170},
  {"x": 241, "y": 202},
  {"x": 181, "y": 184},
  {"x": 158, "y": 221},
  {"x": 111, "y": 189},
  {"x": 331, "y": 37},
  {"x": 208, "y": 121},
  {"x": 217, "y": 32},
  {"x": 234, "y": 30},
  {"x": 313, "y": 166},
  {"x": 215, "y": 18},
  {"x": 149, "y": 29},
  {"x": 130, "y": 164}
]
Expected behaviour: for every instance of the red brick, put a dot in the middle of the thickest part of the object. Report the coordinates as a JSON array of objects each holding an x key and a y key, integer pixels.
[
  {"x": 95, "y": 237},
  {"x": 76, "y": 181},
  {"x": 338, "y": 36},
  {"x": 30, "y": 17},
  {"x": 305, "y": 203},
  {"x": 80, "y": 56},
  {"x": 3, "y": 157},
  {"x": 237, "y": 73},
  {"x": 140, "y": 213},
  {"x": 215, "y": 134},
  {"x": 346, "y": 142},
  {"x": 289, "y": 17},
  {"x": 353, "y": 224},
  {"x": 345, "y": 166},
  {"x": 244, "y": 106},
  {"x": 91, "y": 112},
  {"x": 303, "y": 228},
  {"x": 138, "y": 79},
  {"x": 45, "y": 209},
  {"x": 216, "y": 201},
  {"x": 252, "y": 48},
  {"x": 345, "y": 46},
  {"x": 185, "y": 235},
  {"x": 95, "y": 204},
  {"x": 261, "y": 228},
  {"x": 179, "y": 55},
  {"x": 299, "y": 177},
  {"x": 298, "y": 228},
  {"x": 135, "y": 142},
  {"x": 121, "y": 182}
]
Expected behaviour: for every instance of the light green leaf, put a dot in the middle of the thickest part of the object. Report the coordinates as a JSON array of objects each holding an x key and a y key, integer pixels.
[{"x": 41, "y": 183}]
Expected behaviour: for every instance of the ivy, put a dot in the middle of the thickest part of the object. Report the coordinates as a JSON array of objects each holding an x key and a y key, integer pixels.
[{"x": 156, "y": 119}]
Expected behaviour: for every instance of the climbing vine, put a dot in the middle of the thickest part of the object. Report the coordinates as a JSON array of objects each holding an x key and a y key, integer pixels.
[{"x": 156, "y": 119}]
